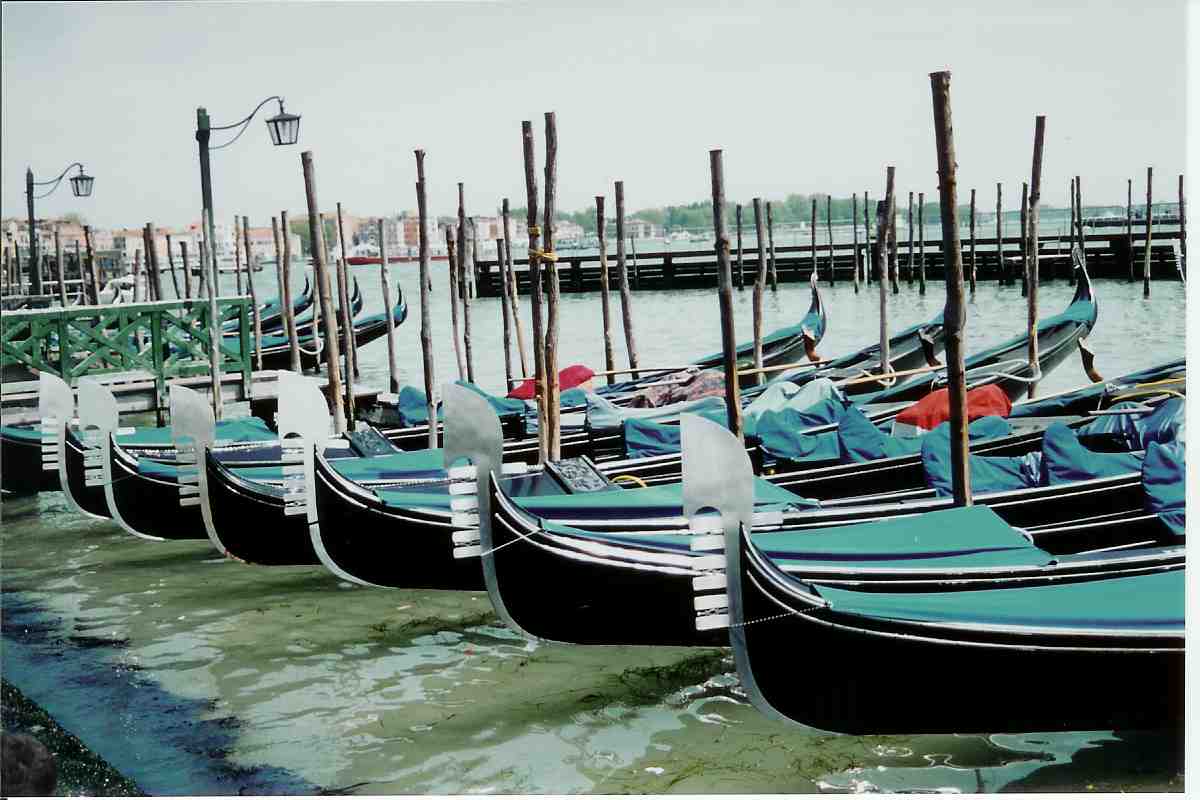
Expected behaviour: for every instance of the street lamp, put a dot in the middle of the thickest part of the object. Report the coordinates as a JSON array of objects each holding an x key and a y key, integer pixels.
[
  {"x": 81, "y": 186},
  {"x": 283, "y": 128}
]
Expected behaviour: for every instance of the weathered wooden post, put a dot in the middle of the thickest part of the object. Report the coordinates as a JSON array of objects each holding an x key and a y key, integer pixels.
[
  {"x": 921, "y": 239},
  {"x": 347, "y": 312},
  {"x": 237, "y": 255},
  {"x": 426, "y": 324},
  {"x": 741, "y": 276},
  {"x": 171, "y": 264},
  {"x": 854, "y": 226},
  {"x": 759, "y": 282},
  {"x": 911, "y": 265},
  {"x": 512, "y": 289},
  {"x": 1001, "y": 269},
  {"x": 1129, "y": 224},
  {"x": 214, "y": 318},
  {"x": 893, "y": 267},
  {"x": 452, "y": 269},
  {"x": 829, "y": 234},
  {"x": 316, "y": 230},
  {"x": 771, "y": 249},
  {"x": 733, "y": 405},
  {"x": 1033, "y": 275},
  {"x": 82, "y": 274},
  {"x": 278, "y": 263},
  {"x": 464, "y": 285},
  {"x": 1071, "y": 226},
  {"x": 1025, "y": 239},
  {"x": 868, "y": 257},
  {"x": 623, "y": 279},
  {"x": 93, "y": 268},
  {"x": 535, "y": 283},
  {"x": 554, "y": 443},
  {"x": 187, "y": 272},
  {"x": 505, "y": 314},
  {"x": 1149, "y": 223},
  {"x": 62, "y": 272},
  {"x": 461, "y": 241},
  {"x": 883, "y": 219},
  {"x": 956, "y": 311},
  {"x": 1182, "y": 233},
  {"x": 812, "y": 247},
  {"x": 610, "y": 363},
  {"x": 289, "y": 312},
  {"x": 203, "y": 289},
  {"x": 973, "y": 261},
  {"x": 254, "y": 301},
  {"x": 386, "y": 287},
  {"x": 153, "y": 273},
  {"x": 137, "y": 275}
]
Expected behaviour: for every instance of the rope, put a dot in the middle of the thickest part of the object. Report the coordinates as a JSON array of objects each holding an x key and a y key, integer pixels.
[
  {"x": 631, "y": 478},
  {"x": 544, "y": 256},
  {"x": 1149, "y": 392}
]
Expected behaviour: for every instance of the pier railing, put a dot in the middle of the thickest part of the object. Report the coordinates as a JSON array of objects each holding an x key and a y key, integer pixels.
[{"x": 167, "y": 339}]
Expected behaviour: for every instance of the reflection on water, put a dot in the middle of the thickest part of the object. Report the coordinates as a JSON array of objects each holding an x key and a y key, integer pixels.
[{"x": 194, "y": 675}]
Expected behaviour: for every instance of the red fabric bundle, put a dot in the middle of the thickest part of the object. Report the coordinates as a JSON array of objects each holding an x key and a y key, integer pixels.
[
  {"x": 570, "y": 377},
  {"x": 934, "y": 408}
]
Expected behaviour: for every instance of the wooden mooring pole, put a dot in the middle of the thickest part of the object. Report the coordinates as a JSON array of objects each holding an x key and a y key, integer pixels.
[
  {"x": 385, "y": 284},
  {"x": 137, "y": 274},
  {"x": 187, "y": 271},
  {"x": 464, "y": 290},
  {"x": 771, "y": 244},
  {"x": 1182, "y": 233},
  {"x": 1149, "y": 223},
  {"x": 214, "y": 318},
  {"x": 82, "y": 273},
  {"x": 759, "y": 281},
  {"x": 62, "y": 272},
  {"x": 883, "y": 218},
  {"x": 741, "y": 276},
  {"x": 868, "y": 255},
  {"x": 829, "y": 235},
  {"x": 973, "y": 257},
  {"x": 854, "y": 227},
  {"x": 554, "y": 443},
  {"x": 237, "y": 255},
  {"x": 452, "y": 269},
  {"x": 1032, "y": 273},
  {"x": 956, "y": 310},
  {"x": 605, "y": 311},
  {"x": 316, "y": 230},
  {"x": 1129, "y": 224},
  {"x": 921, "y": 238},
  {"x": 623, "y": 279},
  {"x": 93, "y": 267},
  {"x": 1001, "y": 267},
  {"x": 505, "y": 315},
  {"x": 812, "y": 239},
  {"x": 289, "y": 312},
  {"x": 171, "y": 264},
  {"x": 427, "y": 365},
  {"x": 203, "y": 289},
  {"x": 535, "y": 282},
  {"x": 518, "y": 327},
  {"x": 254, "y": 302},
  {"x": 347, "y": 313},
  {"x": 911, "y": 266},
  {"x": 893, "y": 261},
  {"x": 733, "y": 405},
  {"x": 1025, "y": 239}
]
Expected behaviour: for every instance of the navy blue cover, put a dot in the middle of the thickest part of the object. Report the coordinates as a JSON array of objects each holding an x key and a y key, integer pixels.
[
  {"x": 1088, "y": 398},
  {"x": 1136, "y": 431},
  {"x": 860, "y": 440},
  {"x": 1164, "y": 475},
  {"x": 1066, "y": 460},
  {"x": 412, "y": 410},
  {"x": 645, "y": 437}
]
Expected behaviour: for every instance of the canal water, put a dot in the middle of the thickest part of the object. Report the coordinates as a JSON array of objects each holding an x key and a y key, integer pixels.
[{"x": 194, "y": 675}]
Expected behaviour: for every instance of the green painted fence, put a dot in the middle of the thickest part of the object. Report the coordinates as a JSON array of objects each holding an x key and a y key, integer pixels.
[{"x": 167, "y": 339}]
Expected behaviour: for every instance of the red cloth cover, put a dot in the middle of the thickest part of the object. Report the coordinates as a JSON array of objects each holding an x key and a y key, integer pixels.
[
  {"x": 568, "y": 378},
  {"x": 934, "y": 408}
]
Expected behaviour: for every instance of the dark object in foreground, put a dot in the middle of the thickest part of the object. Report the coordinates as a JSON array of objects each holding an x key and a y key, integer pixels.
[{"x": 27, "y": 768}]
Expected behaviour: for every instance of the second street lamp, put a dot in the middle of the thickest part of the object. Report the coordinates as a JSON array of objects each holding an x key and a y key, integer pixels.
[{"x": 81, "y": 186}]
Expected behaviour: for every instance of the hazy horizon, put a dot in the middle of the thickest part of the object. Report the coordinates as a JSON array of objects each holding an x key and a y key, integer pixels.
[{"x": 801, "y": 100}]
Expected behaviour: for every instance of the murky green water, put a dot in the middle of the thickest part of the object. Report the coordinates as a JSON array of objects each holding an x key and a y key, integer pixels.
[{"x": 194, "y": 675}]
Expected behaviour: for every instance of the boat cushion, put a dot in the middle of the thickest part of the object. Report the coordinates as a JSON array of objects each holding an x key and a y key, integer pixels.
[
  {"x": 1151, "y": 603},
  {"x": 1066, "y": 460},
  {"x": 1164, "y": 476},
  {"x": 934, "y": 409},
  {"x": 646, "y": 437},
  {"x": 988, "y": 473}
]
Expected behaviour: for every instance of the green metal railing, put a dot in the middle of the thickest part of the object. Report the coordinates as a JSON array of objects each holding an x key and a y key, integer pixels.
[{"x": 168, "y": 339}]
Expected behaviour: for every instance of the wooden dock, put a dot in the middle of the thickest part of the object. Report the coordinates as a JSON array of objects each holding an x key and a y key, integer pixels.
[{"x": 1108, "y": 256}]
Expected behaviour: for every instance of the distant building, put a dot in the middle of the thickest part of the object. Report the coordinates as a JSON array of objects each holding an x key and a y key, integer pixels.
[{"x": 641, "y": 229}]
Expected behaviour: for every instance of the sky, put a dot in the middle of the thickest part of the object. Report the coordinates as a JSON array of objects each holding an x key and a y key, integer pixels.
[{"x": 801, "y": 98}]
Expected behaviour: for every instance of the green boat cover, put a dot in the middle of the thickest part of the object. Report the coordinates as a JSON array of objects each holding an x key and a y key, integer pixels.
[
  {"x": 1089, "y": 397},
  {"x": 31, "y": 434},
  {"x": 244, "y": 429},
  {"x": 1164, "y": 474},
  {"x": 401, "y": 465},
  {"x": 1133, "y": 604},
  {"x": 959, "y": 537}
]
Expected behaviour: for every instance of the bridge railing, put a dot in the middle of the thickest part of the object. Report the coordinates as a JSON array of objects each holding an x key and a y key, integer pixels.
[{"x": 167, "y": 339}]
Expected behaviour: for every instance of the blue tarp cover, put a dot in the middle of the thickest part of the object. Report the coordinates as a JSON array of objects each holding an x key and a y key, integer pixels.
[
  {"x": 988, "y": 473},
  {"x": 650, "y": 438},
  {"x": 411, "y": 404},
  {"x": 1164, "y": 475},
  {"x": 1135, "y": 431},
  {"x": 1066, "y": 460},
  {"x": 1088, "y": 397}
]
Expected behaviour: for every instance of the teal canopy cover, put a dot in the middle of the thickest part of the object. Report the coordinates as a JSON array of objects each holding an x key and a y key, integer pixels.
[
  {"x": 1151, "y": 603},
  {"x": 1164, "y": 476},
  {"x": 412, "y": 408},
  {"x": 1066, "y": 460},
  {"x": 988, "y": 473},
  {"x": 22, "y": 433},
  {"x": 243, "y": 429},
  {"x": 645, "y": 437}
]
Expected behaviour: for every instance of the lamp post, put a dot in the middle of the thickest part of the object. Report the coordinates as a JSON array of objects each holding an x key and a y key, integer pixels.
[
  {"x": 81, "y": 186},
  {"x": 284, "y": 129}
]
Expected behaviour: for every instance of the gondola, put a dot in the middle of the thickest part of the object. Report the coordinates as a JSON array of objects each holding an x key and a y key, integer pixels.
[
  {"x": 1078, "y": 655},
  {"x": 270, "y": 313}
]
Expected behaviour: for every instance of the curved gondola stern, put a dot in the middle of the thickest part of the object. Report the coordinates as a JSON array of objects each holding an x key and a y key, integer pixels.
[
  {"x": 56, "y": 407},
  {"x": 815, "y": 321},
  {"x": 472, "y": 431},
  {"x": 193, "y": 431},
  {"x": 100, "y": 417},
  {"x": 718, "y": 476}
]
